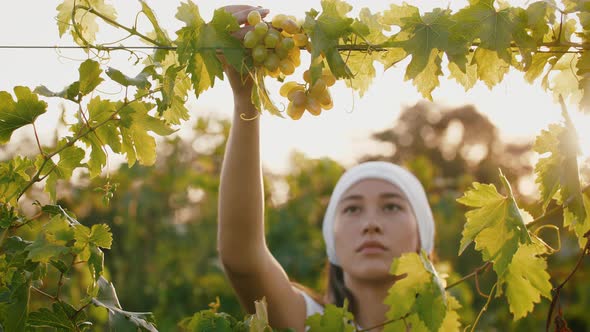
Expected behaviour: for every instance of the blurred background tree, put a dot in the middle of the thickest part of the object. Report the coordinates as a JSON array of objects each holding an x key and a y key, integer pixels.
[{"x": 163, "y": 218}]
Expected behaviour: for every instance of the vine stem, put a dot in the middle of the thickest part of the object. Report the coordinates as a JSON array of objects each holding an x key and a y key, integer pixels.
[
  {"x": 37, "y": 139},
  {"x": 557, "y": 290},
  {"x": 117, "y": 24},
  {"x": 485, "y": 307},
  {"x": 470, "y": 275},
  {"x": 53, "y": 298},
  {"x": 385, "y": 323}
]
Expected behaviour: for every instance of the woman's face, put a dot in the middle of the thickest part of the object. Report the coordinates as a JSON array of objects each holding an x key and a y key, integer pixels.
[{"x": 374, "y": 224}]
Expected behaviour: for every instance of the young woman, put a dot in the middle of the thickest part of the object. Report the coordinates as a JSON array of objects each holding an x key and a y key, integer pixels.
[{"x": 377, "y": 212}]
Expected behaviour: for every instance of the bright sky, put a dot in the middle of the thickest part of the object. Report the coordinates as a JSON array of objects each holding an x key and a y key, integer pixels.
[{"x": 518, "y": 109}]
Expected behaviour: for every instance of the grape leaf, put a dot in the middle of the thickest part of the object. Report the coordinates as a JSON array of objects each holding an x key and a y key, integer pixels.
[
  {"x": 120, "y": 319},
  {"x": 558, "y": 175},
  {"x": 325, "y": 32},
  {"x": 425, "y": 38},
  {"x": 57, "y": 318},
  {"x": 161, "y": 35},
  {"x": 198, "y": 43},
  {"x": 24, "y": 111},
  {"x": 15, "y": 310},
  {"x": 51, "y": 243},
  {"x": 140, "y": 80},
  {"x": 135, "y": 124},
  {"x": 14, "y": 177},
  {"x": 361, "y": 63},
  {"x": 69, "y": 159},
  {"x": 334, "y": 319},
  {"x": 466, "y": 77},
  {"x": 86, "y": 21},
  {"x": 419, "y": 293},
  {"x": 496, "y": 30},
  {"x": 99, "y": 235},
  {"x": 496, "y": 224},
  {"x": 208, "y": 320},
  {"x": 89, "y": 76},
  {"x": 527, "y": 279},
  {"x": 259, "y": 321}
]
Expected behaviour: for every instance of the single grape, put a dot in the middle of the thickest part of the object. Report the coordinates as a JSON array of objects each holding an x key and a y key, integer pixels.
[
  {"x": 272, "y": 62},
  {"x": 287, "y": 87},
  {"x": 313, "y": 106},
  {"x": 272, "y": 38},
  {"x": 250, "y": 39},
  {"x": 254, "y": 17},
  {"x": 288, "y": 43},
  {"x": 307, "y": 76},
  {"x": 281, "y": 51},
  {"x": 261, "y": 29},
  {"x": 290, "y": 26},
  {"x": 295, "y": 56},
  {"x": 278, "y": 20},
  {"x": 259, "y": 53},
  {"x": 299, "y": 99},
  {"x": 300, "y": 39},
  {"x": 294, "y": 90},
  {"x": 295, "y": 112},
  {"x": 328, "y": 77},
  {"x": 318, "y": 88},
  {"x": 287, "y": 67}
]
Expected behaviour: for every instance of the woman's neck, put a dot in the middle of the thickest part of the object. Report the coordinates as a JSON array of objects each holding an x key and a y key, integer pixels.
[{"x": 369, "y": 296}]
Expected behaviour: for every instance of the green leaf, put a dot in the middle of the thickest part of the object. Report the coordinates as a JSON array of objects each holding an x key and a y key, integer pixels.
[
  {"x": 137, "y": 143},
  {"x": 99, "y": 235},
  {"x": 425, "y": 38},
  {"x": 14, "y": 176},
  {"x": 198, "y": 43},
  {"x": 69, "y": 159},
  {"x": 259, "y": 321},
  {"x": 24, "y": 111},
  {"x": 161, "y": 35},
  {"x": 419, "y": 292},
  {"x": 43, "y": 250},
  {"x": 558, "y": 173},
  {"x": 208, "y": 320},
  {"x": 334, "y": 319},
  {"x": 89, "y": 76},
  {"x": 57, "y": 318},
  {"x": 88, "y": 26},
  {"x": 325, "y": 33},
  {"x": 15, "y": 311},
  {"x": 496, "y": 224},
  {"x": 140, "y": 80},
  {"x": 527, "y": 279},
  {"x": 118, "y": 318},
  {"x": 70, "y": 92}
]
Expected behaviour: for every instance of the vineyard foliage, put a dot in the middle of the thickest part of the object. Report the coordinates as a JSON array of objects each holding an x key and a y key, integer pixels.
[{"x": 483, "y": 41}]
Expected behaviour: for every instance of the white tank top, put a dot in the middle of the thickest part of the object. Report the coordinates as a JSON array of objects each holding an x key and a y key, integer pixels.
[{"x": 312, "y": 307}]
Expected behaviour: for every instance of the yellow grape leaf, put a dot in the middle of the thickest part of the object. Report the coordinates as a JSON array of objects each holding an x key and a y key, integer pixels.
[
  {"x": 495, "y": 224},
  {"x": 419, "y": 294},
  {"x": 87, "y": 22},
  {"x": 527, "y": 279},
  {"x": 490, "y": 67}
]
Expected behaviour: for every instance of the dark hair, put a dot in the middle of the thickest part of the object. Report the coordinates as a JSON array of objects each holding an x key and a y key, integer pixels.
[{"x": 337, "y": 291}]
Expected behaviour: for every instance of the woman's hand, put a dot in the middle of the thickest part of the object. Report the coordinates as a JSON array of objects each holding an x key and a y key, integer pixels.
[{"x": 241, "y": 86}]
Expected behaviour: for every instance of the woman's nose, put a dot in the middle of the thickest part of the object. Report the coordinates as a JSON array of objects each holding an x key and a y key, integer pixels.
[{"x": 371, "y": 225}]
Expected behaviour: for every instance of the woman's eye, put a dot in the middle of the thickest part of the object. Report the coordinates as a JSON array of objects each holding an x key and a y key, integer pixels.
[
  {"x": 392, "y": 207},
  {"x": 351, "y": 209}
]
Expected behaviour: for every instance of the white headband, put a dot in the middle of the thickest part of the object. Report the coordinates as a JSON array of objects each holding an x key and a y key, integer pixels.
[{"x": 394, "y": 174}]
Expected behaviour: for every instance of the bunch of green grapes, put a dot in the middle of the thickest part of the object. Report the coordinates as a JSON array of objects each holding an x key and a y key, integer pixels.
[
  {"x": 275, "y": 46},
  {"x": 312, "y": 98}
]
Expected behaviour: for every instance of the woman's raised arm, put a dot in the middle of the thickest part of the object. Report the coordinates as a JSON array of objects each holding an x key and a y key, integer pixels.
[{"x": 249, "y": 265}]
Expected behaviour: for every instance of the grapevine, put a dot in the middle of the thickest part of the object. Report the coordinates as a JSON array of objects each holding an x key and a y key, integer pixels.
[{"x": 546, "y": 41}]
